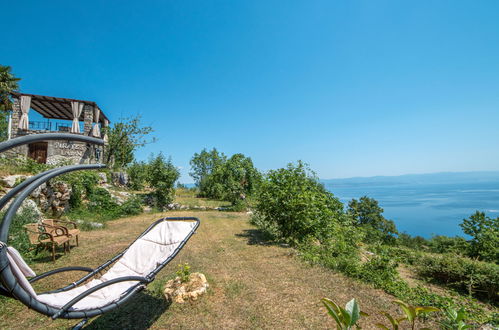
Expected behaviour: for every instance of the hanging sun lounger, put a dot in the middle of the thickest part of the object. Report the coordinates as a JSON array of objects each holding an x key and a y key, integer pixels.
[{"x": 127, "y": 273}]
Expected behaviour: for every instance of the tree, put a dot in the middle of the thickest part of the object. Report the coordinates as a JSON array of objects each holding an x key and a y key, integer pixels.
[
  {"x": 137, "y": 172},
  {"x": 292, "y": 204},
  {"x": 234, "y": 179},
  {"x": 202, "y": 166},
  {"x": 8, "y": 84},
  {"x": 367, "y": 214},
  {"x": 484, "y": 232},
  {"x": 162, "y": 175},
  {"x": 124, "y": 138}
]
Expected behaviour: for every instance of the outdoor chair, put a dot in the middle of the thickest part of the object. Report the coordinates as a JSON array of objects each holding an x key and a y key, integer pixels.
[
  {"x": 99, "y": 291},
  {"x": 47, "y": 237},
  {"x": 73, "y": 232}
]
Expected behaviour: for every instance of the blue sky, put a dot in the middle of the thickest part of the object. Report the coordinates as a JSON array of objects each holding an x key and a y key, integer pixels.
[{"x": 354, "y": 88}]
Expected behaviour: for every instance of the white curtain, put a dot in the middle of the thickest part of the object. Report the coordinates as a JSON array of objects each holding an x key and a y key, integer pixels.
[
  {"x": 96, "y": 128},
  {"x": 106, "y": 125},
  {"x": 25, "y": 105},
  {"x": 76, "y": 108}
]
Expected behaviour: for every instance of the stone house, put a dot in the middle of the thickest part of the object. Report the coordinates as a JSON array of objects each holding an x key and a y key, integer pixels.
[{"x": 59, "y": 115}]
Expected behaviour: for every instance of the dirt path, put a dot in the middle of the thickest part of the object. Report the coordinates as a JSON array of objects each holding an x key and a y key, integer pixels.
[{"x": 253, "y": 285}]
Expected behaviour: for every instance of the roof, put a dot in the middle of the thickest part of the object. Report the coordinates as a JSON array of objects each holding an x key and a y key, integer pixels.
[{"x": 56, "y": 107}]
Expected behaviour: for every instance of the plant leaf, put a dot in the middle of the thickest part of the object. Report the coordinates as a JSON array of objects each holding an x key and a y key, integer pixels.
[
  {"x": 409, "y": 311},
  {"x": 347, "y": 318},
  {"x": 390, "y": 318},
  {"x": 381, "y": 326},
  {"x": 331, "y": 306},
  {"x": 427, "y": 309},
  {"x": 352, "y": 308}
]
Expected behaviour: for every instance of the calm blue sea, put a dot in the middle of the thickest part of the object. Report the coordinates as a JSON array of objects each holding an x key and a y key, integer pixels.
[{"x": 426, "y": 204}]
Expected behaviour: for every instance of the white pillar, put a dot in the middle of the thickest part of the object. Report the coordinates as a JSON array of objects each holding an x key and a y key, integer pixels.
[{"x": 9, "y": 127}]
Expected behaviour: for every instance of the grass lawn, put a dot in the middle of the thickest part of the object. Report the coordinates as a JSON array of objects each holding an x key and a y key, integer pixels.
[
  {"x": 188, "y": 198},
  {"x": 253, "y": 285}
]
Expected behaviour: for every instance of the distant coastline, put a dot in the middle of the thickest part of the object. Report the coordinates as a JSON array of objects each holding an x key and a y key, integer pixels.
[{"x": 426, "y": 204}]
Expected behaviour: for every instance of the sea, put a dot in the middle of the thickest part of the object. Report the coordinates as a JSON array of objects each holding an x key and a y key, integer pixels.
[{"x": 426, "y": 204}]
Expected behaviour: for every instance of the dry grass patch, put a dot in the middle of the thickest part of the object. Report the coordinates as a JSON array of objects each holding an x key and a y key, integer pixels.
[
  {"x": 188, "y": 198},
  {"x": 252, "y": 284}
]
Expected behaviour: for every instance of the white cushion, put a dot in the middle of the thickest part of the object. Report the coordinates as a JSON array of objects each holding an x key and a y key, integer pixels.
[
  {"x": 15, "y": 258},
  {"x": 23, "y": 266},
  {"x": 140, "y": 259}
]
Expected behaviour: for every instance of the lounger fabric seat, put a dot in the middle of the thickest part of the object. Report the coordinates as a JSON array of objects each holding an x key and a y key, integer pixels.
[{"x": 140, "y": 259}]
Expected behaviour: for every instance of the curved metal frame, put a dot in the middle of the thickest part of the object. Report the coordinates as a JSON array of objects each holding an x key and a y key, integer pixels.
[
  {"x": 11, "y": 288},
  {"x": 6, "y": 145}
]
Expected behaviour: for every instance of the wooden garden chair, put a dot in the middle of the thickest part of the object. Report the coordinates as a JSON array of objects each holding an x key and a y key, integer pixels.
[
  {"x": 44, "y": 236},
  {"x": 73, "y": 232}
]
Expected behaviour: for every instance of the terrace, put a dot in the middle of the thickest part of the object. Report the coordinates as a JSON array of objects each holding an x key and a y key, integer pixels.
[{"x": 55, "y": 114}]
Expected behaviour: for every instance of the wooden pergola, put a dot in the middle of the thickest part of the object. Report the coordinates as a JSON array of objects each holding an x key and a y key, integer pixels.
[{"x": 57, "y": 107}]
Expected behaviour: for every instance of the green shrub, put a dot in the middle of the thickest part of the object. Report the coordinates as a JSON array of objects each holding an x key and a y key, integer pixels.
[
  {"x": 403, "y": 255},
  {"x": 133, "y": 206},
  {"x": 485, "y": 236},
  {"x": 82, "y": 185},
  {"x": 368, "y": 215},
  {"x": 162, "y": 175},
  {"x": 183, "y": 272},
  {"x": 138, "y": 175},
  {"x": 380, "y": 268},
  {"x": 18, "y": 237},
  {"x": 413, "y": 242},
  {"x": 340, "y": 253},
  {"x": 22, "y": 165},
  {"x": 445, "y": 244},
  {"x": 295, "y": 206},
  {"x": 480, "y": 279},
  {"x": 101, "y": 200}
]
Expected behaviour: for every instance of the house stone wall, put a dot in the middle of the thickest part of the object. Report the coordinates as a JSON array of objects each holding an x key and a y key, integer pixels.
[{"x": 57, "y": 151}]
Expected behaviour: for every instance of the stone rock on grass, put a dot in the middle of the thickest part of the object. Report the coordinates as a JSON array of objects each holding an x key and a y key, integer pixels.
[
  {"x": 176, "y": 291},
  {"x": 10, "y": 180},
  {"x": 30, "y": 204},
  {"x": 102, "y": 177}
]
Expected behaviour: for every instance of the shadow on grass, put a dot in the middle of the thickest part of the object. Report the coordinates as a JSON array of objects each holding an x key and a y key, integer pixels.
[
  {"x": 140, "y": 313},
  {"x": 257, "y": 237}
]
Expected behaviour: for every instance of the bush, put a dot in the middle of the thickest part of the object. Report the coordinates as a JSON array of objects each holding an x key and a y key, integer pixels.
[
  {"x": 82, "y": 185},
  {"x": 445, "y": 244},
  {"x": 162, "y": 176},
  {"x": 21, "y": 165},
  {"x": 485, "y": 236},
  {"x": 368, "y": 215},
  {"x": 477, "y": 278},
  {"x": 413, "y": 242},
  {"x": 217, "y": 177},
  {"x": 138, "y": 175},
  {"x": 133, "y": 206},
  {"x": 17, "y": 235},
  {"x": 379, "y": 269},
  {"x": 340, "y": 253},
  {"x": 294, "y": 206}
]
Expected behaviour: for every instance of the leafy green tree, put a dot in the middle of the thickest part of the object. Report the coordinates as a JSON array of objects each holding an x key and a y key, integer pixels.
[
  {"x": 227, "y": 179},
  {"x": 124, "y": 138},
  {"x": 8, "y": 84},
  {"x": 202, "y": 166},
  {"x": 413, "y": 242},
  {"x": 234, "y": 179},
  {"x": 162, "y": 175},
  {"x": 293, "y": 205},
  {"x": 485, "y": 236},
  {"x": 137, "y": 172},
  {"x": 367, "y": 214}
]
